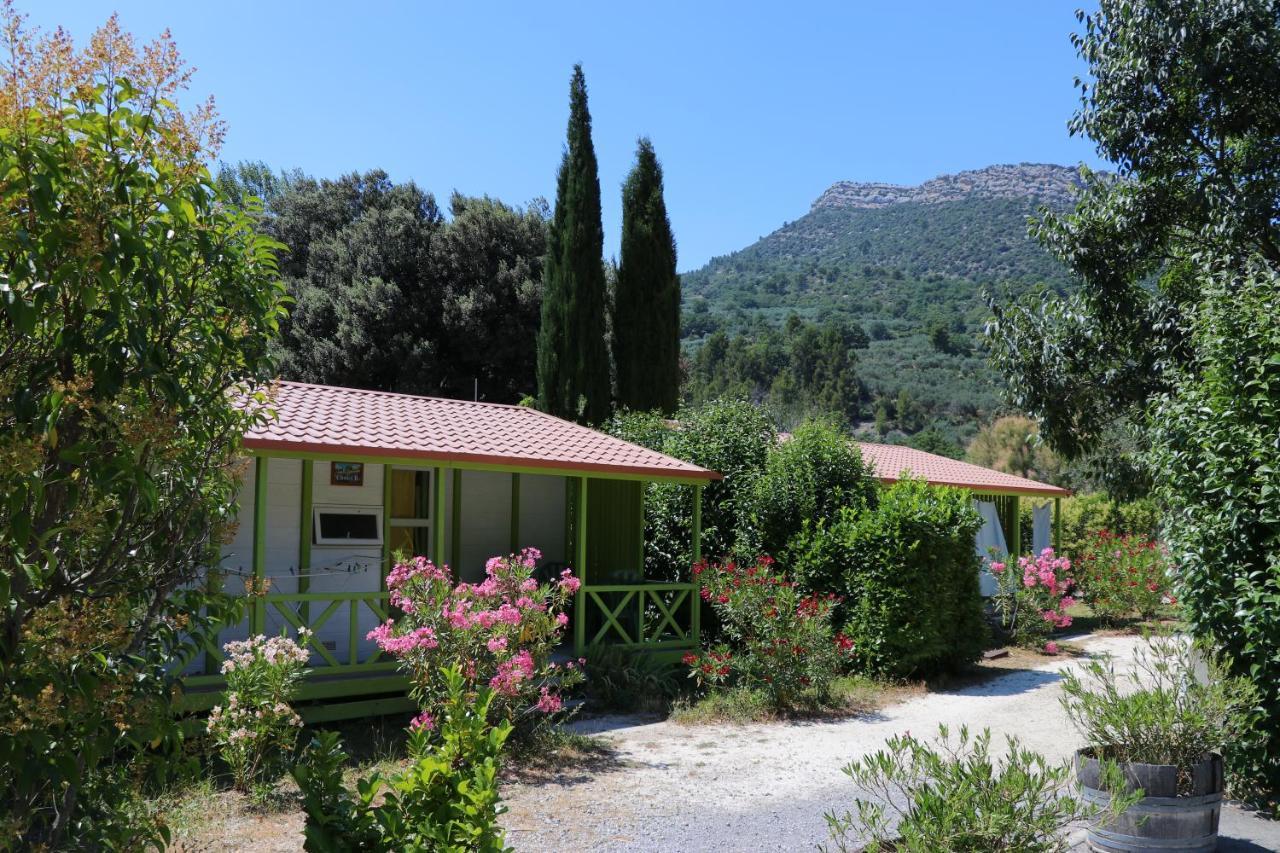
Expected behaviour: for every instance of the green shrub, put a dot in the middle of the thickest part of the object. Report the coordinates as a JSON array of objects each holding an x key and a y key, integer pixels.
[
  {"x": 811, "y": 476},
  {"x": 1214, "y": 459},
  {"x": 623, "y": 680},
  {"x": 907, "y": 572},
  {"x": 780, "y": 643},
  {"x": 1163, "y": 711},
  {"x": 133, "y": 303},
  {"x": 732, "y": 437},
  {"x": 1082, "y": 517},
  {"x": 445, "y": 800},
  {"x": 955, "y": 796}
]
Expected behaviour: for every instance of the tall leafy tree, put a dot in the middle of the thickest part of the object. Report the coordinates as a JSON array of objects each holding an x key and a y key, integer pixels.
[
  {"x": 1172, "y": 332},
  {"x": 391, "y": 295},
  {"x": 137, "y": 307},
  {"x": 573, "y": 359},
  {"x": 646, "y": 306}
]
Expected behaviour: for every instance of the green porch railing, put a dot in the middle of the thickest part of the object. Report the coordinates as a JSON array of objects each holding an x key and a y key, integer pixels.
[
  {"x": 316, "y": 610},
  {"x": 641, "y": 616}
]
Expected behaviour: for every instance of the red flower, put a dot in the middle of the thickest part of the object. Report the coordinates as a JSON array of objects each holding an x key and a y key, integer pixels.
[{"x": 689, "y": 659}]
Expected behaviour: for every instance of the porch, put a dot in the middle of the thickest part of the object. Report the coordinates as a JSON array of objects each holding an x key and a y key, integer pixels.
[{"x": 320, "y": 528}]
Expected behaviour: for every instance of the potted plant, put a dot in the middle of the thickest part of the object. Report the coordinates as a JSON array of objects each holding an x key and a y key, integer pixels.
[{"x": 1157, "y": 728}]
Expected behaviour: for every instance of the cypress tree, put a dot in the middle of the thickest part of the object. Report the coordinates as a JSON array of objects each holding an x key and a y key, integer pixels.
[
  {"x": 646, "y": 312},
  {"x": 573, "y": 360}
]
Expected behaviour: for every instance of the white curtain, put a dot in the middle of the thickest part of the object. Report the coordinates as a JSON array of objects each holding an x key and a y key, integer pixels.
[
  {"x": 990, "y": 539},
  {"x": 1041, "y": 527}
]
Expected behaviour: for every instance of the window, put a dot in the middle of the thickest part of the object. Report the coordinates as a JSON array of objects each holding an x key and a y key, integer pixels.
[
  {"x": 348, "y": 525},
  {"x": 410, "y": 511}
]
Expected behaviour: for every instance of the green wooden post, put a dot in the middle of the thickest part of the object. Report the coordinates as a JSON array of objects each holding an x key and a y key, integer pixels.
[
  {"x": 1057, "y": 524},
  {"x": 437, "y": 516},
  {"x": 1015, "y": 541},
  {"x": 386, "y": 524},
  {"x": 515, "y": 513},
  {"x": 304, "y": 540},
  {"x": 695, "y": 607},
  {"x": 258, "y": 618},
  {"x": 455, "y": 545},
  {"x": 580, "y": 559}
]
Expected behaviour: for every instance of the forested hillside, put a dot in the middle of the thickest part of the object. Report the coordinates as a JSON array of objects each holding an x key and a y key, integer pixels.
[{"x": 906, "y": 265}]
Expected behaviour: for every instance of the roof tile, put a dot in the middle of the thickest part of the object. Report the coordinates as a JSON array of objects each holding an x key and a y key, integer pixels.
[
  {"x": 890, "y": 461},
  {"x": 326, "y": 418}
]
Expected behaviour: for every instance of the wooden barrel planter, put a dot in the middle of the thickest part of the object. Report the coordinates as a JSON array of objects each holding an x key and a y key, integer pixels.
[{"x": 1162, "y": 819}]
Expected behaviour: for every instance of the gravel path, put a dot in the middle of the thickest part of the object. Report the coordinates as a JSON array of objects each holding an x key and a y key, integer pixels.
[{"x": 766, "y": 787}]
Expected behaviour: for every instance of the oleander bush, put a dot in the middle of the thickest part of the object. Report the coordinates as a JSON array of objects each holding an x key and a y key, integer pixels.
[
  {"x": 778, "y": 641},
  {"x": 1122, "y": 575},
  {"x": 255, "y": 731},
  {"x": 905, "y": 577},
  {"x": 499, "y": 634},
  {"x": 1033, "y": 596}
]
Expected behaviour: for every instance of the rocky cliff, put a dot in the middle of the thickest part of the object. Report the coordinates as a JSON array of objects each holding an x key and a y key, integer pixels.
[{"x": 1049, "y": 183}]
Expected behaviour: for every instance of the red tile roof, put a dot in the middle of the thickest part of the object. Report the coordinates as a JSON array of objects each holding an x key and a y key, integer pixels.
[
  {"x": 352, "y": 422},
  {"x": 890, "y": 461}
]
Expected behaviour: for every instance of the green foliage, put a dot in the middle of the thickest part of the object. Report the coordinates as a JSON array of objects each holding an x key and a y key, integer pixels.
[
  {"x": 622, "y": 680},
  {"x": 728, "y": 436},
  {"x": 956, "y": 796},
  {"x": 1182, "y": 96},
  {"x": 808, "y": 477},
  {"x": 908, "y": 575},
  {"x": 1214, "y": 456},
  {"x": 779, "y": 643},
  {"x": 1162, "y": 710},
  {"x": 257, "y": 730},
  {"x": 1083, "y": 516},
  {"x": 800, "y": 370},
  {"x": 573, "y": 361},
  {"x": 392, "y": 296},
  {"x": 646, "y": 304},
  {"x": 445, "y": 800},
  {"x": 133, "y": 303}
]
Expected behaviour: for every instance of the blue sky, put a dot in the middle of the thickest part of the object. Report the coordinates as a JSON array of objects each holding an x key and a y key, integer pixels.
[{"x": 754, "y": 109}]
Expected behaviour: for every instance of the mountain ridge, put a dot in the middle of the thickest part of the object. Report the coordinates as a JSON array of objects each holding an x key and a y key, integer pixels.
[
  {"x": 1046, "y": 181},
  {"x": 909, "y": 265}
]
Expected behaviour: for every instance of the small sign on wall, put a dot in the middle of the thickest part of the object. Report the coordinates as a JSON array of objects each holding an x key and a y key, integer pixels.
[{"x": 346, "y": 474}]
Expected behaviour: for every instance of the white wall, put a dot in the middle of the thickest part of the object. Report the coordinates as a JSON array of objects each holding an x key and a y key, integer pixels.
[
  {"x": 486, "y": 521},
  {"x": 542, "y": 515},
  {"x": 486, "y": 531}
]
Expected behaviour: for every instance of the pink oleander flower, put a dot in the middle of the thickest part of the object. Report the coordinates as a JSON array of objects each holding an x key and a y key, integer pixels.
[
  {"x": 562, "y": 619},
  {"x": 497, "y": 644},
  {"x": 549, "y": 703},
  {"x": 1051, "y": 648},
  {"x": 424, "y": 721},
  {"x": 997, "y": 568},
  {"x": 568, "y": 582}
]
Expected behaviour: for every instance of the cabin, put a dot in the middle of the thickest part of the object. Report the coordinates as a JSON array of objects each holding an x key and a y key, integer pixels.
[
  {"x": 997, "y": 497},
  {"x": 342, "y": 479}
]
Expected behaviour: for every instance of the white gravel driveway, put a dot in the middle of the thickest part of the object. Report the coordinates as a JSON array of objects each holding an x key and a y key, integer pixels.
[{"x": 764, "y": 786}]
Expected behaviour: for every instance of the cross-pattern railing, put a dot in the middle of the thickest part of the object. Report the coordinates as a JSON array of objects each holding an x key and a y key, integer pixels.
[
  {"x": 642, "y": 616},
  {"x": 316, "y": 611}
]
